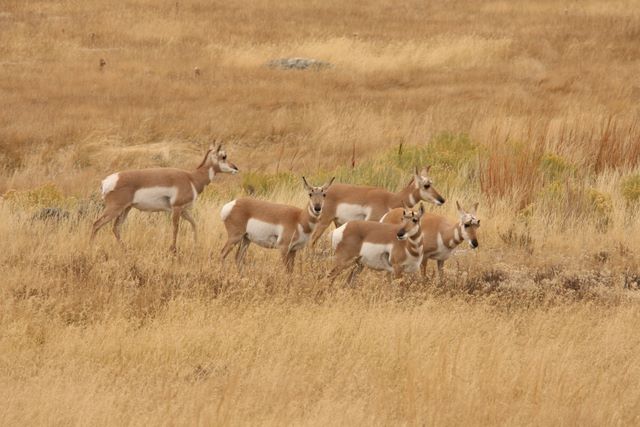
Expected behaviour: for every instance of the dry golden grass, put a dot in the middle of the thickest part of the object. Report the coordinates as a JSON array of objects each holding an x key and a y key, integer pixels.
[{"x": 529, "y": 107}]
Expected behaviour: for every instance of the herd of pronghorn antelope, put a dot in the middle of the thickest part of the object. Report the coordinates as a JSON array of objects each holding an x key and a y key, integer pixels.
[{"x": 375, "y": 228}]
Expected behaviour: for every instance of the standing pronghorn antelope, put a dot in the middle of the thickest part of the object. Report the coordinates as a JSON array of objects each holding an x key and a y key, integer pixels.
[
  {"x": 347, "y": 202},
  {"x": 441, "y": 236},
  {"x": 392, "y": 247},
  {"x": 159, "y": 189},
  {"x": 272, "y": 225}
]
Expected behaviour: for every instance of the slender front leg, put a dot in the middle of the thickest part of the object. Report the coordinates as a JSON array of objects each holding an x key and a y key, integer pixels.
[
  {"x": 187, "y": 215},
  {"x": 440, "y": 268},
  {"x": 242, "y": 251},
  {"x": 397, "y": 271},
  {"x": 175, "y": 219},
  {"x": 423, "y": 267},
  {"x": 289, "y": 261},
  {"x": 357, "y": 268}
]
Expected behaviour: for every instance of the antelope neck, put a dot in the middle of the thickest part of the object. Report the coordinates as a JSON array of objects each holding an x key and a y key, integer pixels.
[
  {"x": 406, "y": 196},
  {"x": 414, "y": 246},
  {"x": 309, "y": 218},
  {"x": 453, "y": 236}
]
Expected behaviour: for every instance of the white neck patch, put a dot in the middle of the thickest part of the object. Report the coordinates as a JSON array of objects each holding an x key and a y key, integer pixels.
[{"x": 212, "y": 173}]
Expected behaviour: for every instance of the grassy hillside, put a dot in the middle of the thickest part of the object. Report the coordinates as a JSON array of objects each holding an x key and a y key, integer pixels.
[{"x": 529, "y": 108}]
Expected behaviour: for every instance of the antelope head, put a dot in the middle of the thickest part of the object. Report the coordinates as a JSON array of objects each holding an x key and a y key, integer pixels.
[
  {"x": 469, "y": 224},
  {"x": 216, "y": 162},
  {"x": 424, "y": 185},
  {"x": 410, "y": 222},
  {"x": 316, "y": 195}
]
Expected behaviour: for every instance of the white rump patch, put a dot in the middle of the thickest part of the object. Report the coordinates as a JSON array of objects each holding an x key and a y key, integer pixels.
[
  {"x": 155, "y": 199},
  {"x": 336, "y": 236},
  {"x": 376, "y": 255},
  {"x": 351, "y": 212},
  {"x": 226, "y": 210},
  {"x": 109, "y": 184},
  {"x": 263, "y": 233}
]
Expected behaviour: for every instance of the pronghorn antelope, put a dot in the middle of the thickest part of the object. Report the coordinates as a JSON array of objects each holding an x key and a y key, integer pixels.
[
  {"x": 272, "y": 225},
  {"x": 392, "y": 247},
  {"x": 441, "y": 236},
  {"x": 346, "y": 202},
  {"x": 159, "y": 189}
]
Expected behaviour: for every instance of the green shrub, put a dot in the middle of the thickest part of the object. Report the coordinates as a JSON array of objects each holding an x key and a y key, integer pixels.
[
  {"x": 631, "y": 188},
  {"x": 601, "y": 207},
  {"x": 46, "y": 195},
  {"x": 600, "y": 202},
  {"x": 260, "y": 183},
  {"x": 448, "y": 154},
  {"x": 555, "y": 167}
]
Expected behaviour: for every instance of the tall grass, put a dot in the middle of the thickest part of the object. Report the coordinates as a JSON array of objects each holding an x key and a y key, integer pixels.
[{"x": 537, "y": 326}]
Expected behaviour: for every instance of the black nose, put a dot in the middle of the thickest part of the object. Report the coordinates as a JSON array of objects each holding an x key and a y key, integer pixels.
[
  {"x": 441, "y": 199},
  {"x": 317, "y": 208},
  {"x": 474, "y": 243},
  {"x": 400, "y": 234}
]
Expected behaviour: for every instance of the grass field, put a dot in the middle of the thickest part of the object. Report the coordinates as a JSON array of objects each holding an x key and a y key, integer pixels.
[{"x": 529, "y": 108}]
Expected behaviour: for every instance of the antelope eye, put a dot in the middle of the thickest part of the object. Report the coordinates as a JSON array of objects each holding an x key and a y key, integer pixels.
[
  {"x": 466, "y": 225},
  {"x": 310, "y": 194},
  {"x": 224, "y": 157},
  {"x": 324, "y": 195},
  {"x": 415, "y": 220}
]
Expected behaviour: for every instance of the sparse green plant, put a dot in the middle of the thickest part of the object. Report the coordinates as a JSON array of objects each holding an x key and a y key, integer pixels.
[
  {"x": 262, "y": 183},
  {"x": 630, "y": 188},
  {"x": 45, "y": 195},
  {"x": 555, "y": 167}
]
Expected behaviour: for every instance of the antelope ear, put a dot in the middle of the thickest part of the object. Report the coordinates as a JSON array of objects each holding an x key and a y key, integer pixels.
[
  {"x": 417, "y": 178},
  {"x": 475, "y": 208},
  {"x": 218, "y": 148},
  {"x": 306, "y": 184},
  {"x": 426, "y": 169},
  {"x": 460, "y": 210},
  {"x": 328, "y": 184},
  {"x": 421, "y": 210}
]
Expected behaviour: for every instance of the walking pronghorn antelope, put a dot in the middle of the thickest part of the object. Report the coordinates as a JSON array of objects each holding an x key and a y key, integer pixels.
[
  {"x": 392, "y": 247},
  {"x": 347, "y": 202},
  {"x": 441, "y": 236},
  {"x": 159, "y": 189},
  {"x": 272, "y": 225}
]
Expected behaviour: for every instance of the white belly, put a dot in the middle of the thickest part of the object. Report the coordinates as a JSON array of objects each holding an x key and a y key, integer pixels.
[
  {"x": 376, "y": 255},
  {"x": 301, "y": 241},
  {"x": 263, "y": 233},
  {"x": 155, "y": 198},
  {"x": 350, "y": 212},
  {"x": 411, "y": 264}
]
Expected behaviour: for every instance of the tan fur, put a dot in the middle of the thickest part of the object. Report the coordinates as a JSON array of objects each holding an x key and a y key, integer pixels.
[
  {"x": 432, "y": 225},
  {"x": 378, "y": 200},
  {"x": 356, "y": 233},
  {"x": 290, "y": 218},
  {"x": 120, "y": 199}
]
